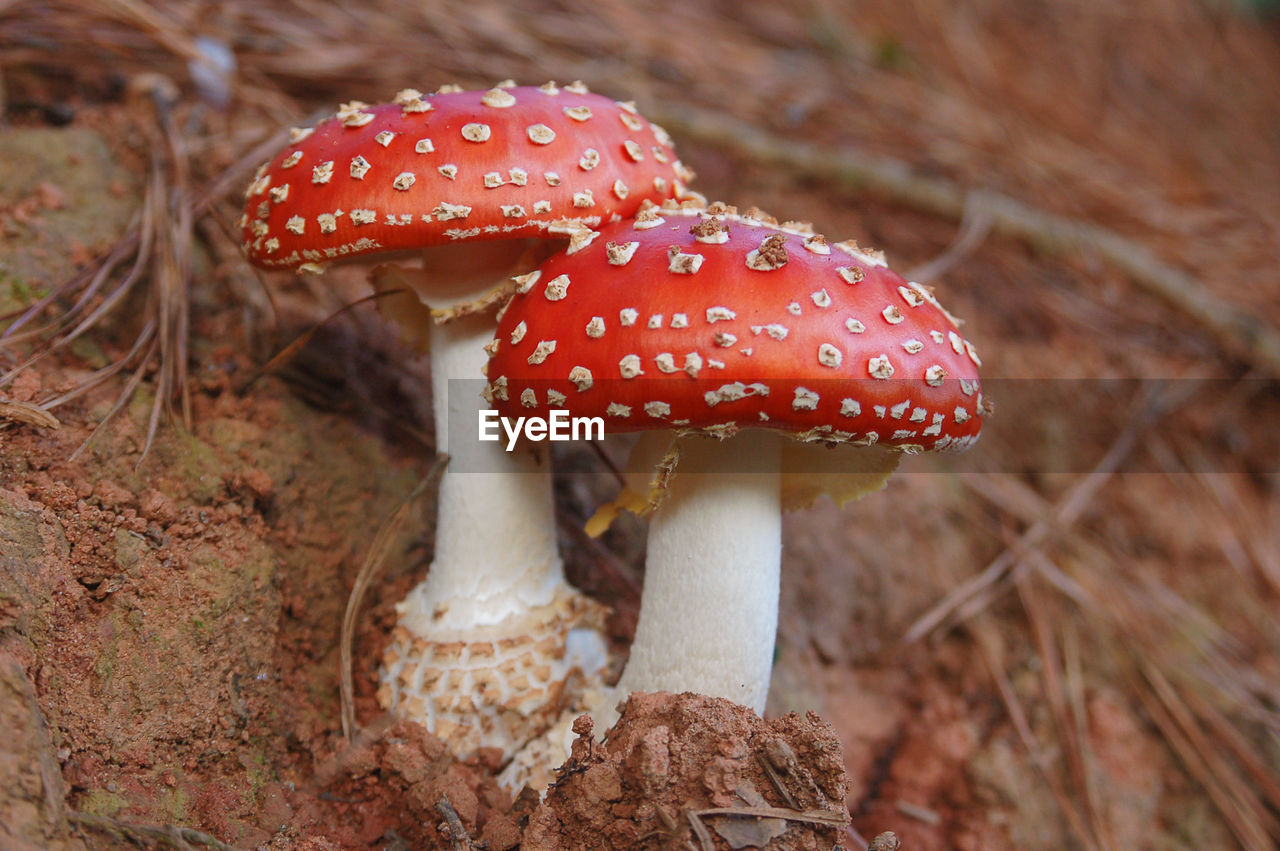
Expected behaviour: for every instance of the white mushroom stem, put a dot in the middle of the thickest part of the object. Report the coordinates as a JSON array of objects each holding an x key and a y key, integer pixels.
[
  {"x": 495, "y": 554},
  {"x": 484, "y": 648},
  {"x": 709, "y": 609}
]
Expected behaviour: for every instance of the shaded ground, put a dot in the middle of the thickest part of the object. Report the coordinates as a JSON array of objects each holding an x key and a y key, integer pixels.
[{"x": 1066, "y": 640}]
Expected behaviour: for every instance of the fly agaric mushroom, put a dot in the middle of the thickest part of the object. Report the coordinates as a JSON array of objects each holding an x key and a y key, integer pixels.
[
  {"x": 483, "y": 647},
  {"x": 724, "y": 325}
]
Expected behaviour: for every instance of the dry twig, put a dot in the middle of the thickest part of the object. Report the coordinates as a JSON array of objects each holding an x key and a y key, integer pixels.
[
  {"x": 459, "y": 839},
  {"x": 700, "y": 830},
  {"x": 1241, "y": 817},
  {"x": 804, "y": 816},
  {"x": 1068, "y": 725},
  {"x": 988, "y": 641},
  {"x": 1211, "y": 749},
  {"x": 378, "y": 550},
  {"x": 972, "y": 595},
  {"x": 975, "y": 223}
]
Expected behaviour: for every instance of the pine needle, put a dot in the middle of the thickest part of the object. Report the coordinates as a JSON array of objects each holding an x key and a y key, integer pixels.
[
  {"x": 369, "y": 569},
  {"x": 298, "y": 343}
]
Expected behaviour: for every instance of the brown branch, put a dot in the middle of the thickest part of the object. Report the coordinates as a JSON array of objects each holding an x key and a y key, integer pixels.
[{"x": 1236, "y": 329}]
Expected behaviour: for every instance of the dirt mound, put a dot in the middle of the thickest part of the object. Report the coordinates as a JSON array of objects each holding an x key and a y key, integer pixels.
[{"x": 690, "y": 769}]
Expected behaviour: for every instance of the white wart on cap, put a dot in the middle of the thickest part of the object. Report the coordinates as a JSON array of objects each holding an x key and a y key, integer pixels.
[
  {"x": 431, "y": 169},
  {"x": 708, "y": 320}
]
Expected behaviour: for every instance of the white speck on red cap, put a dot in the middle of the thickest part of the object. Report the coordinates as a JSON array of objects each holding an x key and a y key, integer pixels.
[
  {"x": 829, "y": 376},
  {"x": 615, "y": 177}
]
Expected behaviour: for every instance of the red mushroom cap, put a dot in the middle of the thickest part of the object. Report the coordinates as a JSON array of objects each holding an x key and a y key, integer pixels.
[
  {"x": 702, "y": 319},
  {"x": 430, "y": 169}
]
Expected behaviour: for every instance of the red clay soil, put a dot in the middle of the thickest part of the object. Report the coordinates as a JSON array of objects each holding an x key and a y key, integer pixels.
[{"x": 681, "y": 770}]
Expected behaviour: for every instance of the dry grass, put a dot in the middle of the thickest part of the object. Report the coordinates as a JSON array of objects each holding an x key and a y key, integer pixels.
[{"x": 155, "y": 256}]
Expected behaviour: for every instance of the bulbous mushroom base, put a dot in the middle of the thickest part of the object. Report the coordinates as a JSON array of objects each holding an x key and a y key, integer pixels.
[
  {"x": 497, "y": 686},
  {"x": 535, "y": 764}
]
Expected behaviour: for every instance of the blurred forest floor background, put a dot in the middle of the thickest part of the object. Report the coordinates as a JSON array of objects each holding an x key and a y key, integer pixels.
[{"x": 1067, "y": 638}]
